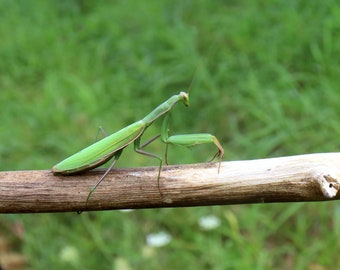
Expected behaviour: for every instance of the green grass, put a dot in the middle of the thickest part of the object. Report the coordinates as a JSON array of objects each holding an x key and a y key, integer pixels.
[{"x": 266, "y": 84}]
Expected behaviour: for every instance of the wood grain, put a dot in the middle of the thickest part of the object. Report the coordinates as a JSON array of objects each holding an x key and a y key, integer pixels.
[{"x": 312, "y": 177}]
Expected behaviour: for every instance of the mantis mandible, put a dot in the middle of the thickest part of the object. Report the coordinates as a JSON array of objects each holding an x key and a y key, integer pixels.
[{"x": 111, "y": 147}]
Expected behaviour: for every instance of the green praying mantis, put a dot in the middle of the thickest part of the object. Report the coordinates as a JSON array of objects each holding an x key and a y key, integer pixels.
[{"x": 112, "y": 146}]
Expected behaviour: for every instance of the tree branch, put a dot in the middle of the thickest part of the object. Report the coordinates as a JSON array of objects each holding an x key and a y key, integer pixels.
[{"x": 313, "y": 177}]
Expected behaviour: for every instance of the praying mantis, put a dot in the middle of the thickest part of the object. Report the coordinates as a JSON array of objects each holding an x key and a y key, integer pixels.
[{"x": 112, "y": 146}]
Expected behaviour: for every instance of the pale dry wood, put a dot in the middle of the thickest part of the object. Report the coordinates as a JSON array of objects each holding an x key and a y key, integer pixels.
[{"x": 313, "y": 177}]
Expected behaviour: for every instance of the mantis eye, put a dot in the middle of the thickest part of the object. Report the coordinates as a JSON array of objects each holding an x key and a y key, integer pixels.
[{"x": 185, "y": 98}]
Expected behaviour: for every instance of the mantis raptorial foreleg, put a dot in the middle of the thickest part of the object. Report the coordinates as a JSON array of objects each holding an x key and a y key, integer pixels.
[{"x": 189, "y": 140}]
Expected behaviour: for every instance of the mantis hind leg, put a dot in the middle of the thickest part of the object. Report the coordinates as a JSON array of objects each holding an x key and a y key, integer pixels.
[
  {"x": 115, "y": 158},
  {"x": 102, "y": 131}
]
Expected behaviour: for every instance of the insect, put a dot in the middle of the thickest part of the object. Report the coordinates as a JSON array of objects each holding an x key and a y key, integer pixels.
[{"x": 112, "y": 146}]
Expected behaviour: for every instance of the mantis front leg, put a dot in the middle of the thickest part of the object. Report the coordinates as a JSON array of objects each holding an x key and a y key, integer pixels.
[{"x": 189, "y": 140}]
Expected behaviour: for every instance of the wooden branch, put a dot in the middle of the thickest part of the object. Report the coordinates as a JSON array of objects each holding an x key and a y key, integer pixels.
[{"x": 313, "y": 177}]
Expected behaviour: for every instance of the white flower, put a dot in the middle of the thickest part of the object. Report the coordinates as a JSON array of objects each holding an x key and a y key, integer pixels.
[
  {"x": 69, "y": 254},
  {"x": 209, "y": 222},
  {"x": 158, "y": 239}
]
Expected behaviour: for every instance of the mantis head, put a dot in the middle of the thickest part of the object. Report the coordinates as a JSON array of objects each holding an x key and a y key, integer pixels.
[
  {"x": 185, "y": 95},
  {"x": 185, "y": 98}
]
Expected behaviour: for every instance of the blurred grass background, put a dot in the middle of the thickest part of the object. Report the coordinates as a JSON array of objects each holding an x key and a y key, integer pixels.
[{"x": 266, "y": 84}]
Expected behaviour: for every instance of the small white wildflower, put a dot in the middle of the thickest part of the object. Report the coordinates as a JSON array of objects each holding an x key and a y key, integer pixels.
[
  {"x": 122, "y": 264},
  {"x": 209, "y": 222},
  {"x": 158, "y": 239},
  {"x": 69, "y": 254}
]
